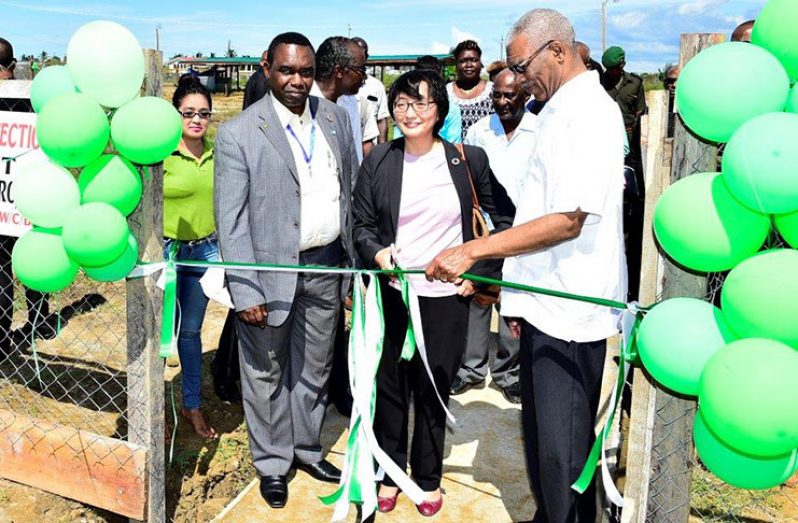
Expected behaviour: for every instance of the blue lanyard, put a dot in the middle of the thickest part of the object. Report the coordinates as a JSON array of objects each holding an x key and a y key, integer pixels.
[{"x": 308, "y": 157}]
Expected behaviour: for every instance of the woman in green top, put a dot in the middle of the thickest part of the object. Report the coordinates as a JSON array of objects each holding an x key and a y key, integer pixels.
[{"x": 188, "y": 223}]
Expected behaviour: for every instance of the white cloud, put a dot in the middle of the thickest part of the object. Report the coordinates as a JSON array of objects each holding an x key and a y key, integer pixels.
[
  {"x": 459, "y": 35},
  {"x": 439, "y": 48},
  {"x": 697, "y": 7},
  {"x": 629, "y": 20}
]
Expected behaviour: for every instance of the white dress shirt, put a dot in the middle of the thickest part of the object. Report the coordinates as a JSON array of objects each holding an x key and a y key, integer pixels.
[
  {"x": 577, "y": 163},
  {"x": 509, "y": 159},
  {"x": 320, "y": 214}
]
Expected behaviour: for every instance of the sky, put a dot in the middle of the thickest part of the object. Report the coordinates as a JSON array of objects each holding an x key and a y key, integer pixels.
[{"x": 648, "y": 30}]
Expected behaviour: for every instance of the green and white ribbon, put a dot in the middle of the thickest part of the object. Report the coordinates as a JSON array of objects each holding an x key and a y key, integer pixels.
[{"x": 359, "y": 477}]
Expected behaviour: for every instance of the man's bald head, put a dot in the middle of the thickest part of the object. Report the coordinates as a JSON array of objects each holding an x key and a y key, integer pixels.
[
  {"x": 583, "y": 51},
  {"x": 742, "y": 33},
  {"x": 505, "y": 78}
]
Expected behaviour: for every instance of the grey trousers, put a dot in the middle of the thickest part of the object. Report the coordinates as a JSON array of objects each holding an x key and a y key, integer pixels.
[
  {"x": 474, "y": 368},
  {"x": 284, "y": 377}
]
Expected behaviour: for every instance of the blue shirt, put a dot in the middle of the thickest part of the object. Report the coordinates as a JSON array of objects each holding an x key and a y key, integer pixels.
[{"x": 452, "y": 130}]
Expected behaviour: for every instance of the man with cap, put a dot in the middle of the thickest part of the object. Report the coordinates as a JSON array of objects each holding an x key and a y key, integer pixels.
[{"x": 627, "y": 91}]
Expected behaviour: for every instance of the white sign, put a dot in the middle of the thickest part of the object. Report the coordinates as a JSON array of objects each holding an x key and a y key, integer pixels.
[{"x": 18, "y": 146}]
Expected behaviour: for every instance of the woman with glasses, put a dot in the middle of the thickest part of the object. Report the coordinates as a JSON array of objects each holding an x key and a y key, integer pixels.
[
  {"x": 190, "y": 230},
  {"x": 469, "y": 91},
  {"x": 413, "y": 197}
]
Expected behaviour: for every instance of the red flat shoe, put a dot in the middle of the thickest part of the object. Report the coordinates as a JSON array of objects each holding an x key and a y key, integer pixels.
[
  {"x": 430, "y": 508},
  {"x": 387, "y": 504}
]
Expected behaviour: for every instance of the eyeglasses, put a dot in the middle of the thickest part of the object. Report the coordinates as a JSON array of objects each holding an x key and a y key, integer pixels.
[
  {"x": 520, "y": 68},
  {"x": 419, "y": 106},
  {"x": 4, "y": 68},
  {"x": 204, "y": 114},
  {"x": 359, "y": 70}
]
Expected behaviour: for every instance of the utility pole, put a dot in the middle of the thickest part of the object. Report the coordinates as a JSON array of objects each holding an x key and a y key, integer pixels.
[
  {"x": 158, "y": 37},
  {"x": 604, "y": 23},
  {"x": 349, "y": 30}
]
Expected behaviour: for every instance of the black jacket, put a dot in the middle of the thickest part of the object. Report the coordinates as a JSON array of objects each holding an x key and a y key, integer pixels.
[
  {"x": 256, "y": 88},
  {"x": 375, "y": 201}
]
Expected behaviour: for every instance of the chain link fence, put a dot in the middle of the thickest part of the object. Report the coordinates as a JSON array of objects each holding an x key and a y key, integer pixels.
[
  {"x": 74, "y": 416},
  {"x": 677, "y": 486}
]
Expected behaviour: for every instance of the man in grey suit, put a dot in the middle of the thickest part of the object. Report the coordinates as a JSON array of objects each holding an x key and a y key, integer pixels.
[{"x": 283, "y": 179}]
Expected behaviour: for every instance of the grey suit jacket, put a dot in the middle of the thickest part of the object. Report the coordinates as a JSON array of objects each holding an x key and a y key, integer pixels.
[{"x": 257, "y": 200}]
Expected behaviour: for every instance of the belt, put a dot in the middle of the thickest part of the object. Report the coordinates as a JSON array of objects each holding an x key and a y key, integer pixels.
[
  {"x": 199, "y": 241},
  {"x": 331, "y": 254}
]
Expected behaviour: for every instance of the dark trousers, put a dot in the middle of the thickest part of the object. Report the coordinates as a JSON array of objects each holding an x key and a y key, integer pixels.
[
  {"x": 444, "y": 324},
  {"x": 38, "y": 307},
  {"x": 225, "y": 368},
  {"x": 560, "y": 389}
]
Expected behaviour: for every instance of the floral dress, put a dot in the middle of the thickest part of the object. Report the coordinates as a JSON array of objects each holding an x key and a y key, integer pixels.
[{"x": 472, "y": 109}]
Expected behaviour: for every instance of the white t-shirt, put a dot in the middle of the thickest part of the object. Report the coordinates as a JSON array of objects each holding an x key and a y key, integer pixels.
[
  {"x": 430, "y": 218},
  {"x": 509, "y": 159},
  {"x": 577, "y": 163},
  {"x": 375, "y": 89}
]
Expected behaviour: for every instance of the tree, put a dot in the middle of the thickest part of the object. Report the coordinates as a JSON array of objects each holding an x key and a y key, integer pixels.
[
  {"x": 213, "y": 54},
  {"x": 198, "y": 54},
  {"x": 44, "y": 56},
  {"x": 231, "y": 53},
  {"x": 176, "y": 55}
]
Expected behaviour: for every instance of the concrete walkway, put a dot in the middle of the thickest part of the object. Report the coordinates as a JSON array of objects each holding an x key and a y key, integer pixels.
[{"x": 484, "y": 477}]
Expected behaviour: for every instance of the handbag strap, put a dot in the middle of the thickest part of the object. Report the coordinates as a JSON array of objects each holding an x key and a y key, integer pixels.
[{"x": 474, "y": 198}]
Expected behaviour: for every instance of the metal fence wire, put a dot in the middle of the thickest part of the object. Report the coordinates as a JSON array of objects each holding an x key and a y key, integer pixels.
[
  {"x": 65, "y": 368},
  {"x": 680, "y": 488}
]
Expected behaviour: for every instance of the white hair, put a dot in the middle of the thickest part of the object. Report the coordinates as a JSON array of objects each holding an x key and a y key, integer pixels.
[{"x": 542, "y": 25}]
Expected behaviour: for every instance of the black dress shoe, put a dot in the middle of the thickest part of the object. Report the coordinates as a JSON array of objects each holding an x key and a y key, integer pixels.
[
  {"x": 512, "y": 393},
  {"x": 322, "y": 471},
  {"x": 274, "y": 490},
  {"x": 459, "y": 386}
]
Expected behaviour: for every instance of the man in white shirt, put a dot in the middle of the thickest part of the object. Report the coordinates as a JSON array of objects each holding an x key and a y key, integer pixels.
[
  {"x": 567, "y": 236},
  {"x": 373, "y": 92},
  {"x": 340, "y": 73},
  {"x": 282, "y": 194},
  {"x": 508, "y": 137}
]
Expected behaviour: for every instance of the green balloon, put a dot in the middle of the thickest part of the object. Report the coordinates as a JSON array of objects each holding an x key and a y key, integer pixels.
[
  {"x": 41, "y": 263},
  {"x": 45, "y": 193},
  {"x": 728, "y": 84},
  {"x": 48, "y": 84},
  {"x": 106, "y": 62},
  {"x": 95, "y": 234},
  {"x": 146, "y": 130},
  {"x": 675, "y": 357},
  {"x": 702, "y": 227},
  {"x": 748, "y": 393},
  {"x": 760, "y": 163},
  {"x": 787, "y": 225},
  {"x": 72, "y": 130},
  {"x": 113, "y": 180},
  {"x": 736, "y": 468},
  {"x": 120, "y": 267},
  {"x": 775, "y": 31},
  {"x": 792, "y": 100},
  {"x": 759, "y": 298}
]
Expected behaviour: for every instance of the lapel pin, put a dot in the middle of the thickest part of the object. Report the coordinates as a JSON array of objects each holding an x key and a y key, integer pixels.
[
  {"x": 455, "y": 161},
  {"x": 329, "y": 117}
]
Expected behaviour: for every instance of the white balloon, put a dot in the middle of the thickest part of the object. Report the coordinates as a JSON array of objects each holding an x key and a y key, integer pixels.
[{"x": 106, "y": 62}]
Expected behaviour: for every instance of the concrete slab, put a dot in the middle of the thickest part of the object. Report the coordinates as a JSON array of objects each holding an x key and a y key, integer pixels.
[{"x": 484, "y": 477}]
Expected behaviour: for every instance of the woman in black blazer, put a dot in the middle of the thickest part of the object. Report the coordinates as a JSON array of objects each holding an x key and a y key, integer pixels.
[{"x": 414, "y": 194}]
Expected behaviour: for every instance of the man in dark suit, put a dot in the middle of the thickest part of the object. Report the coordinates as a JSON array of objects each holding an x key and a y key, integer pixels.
[
  {"x": 283, "y": 195},
  {"x": 257, "y": 85}
]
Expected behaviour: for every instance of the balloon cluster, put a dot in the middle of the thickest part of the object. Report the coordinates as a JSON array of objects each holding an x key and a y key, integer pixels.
[
  {"x": 740, "y": 360},
  {"x": 81, "y": 223}
]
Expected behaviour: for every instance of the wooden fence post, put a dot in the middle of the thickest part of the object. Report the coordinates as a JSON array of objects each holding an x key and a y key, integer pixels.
[
  {"x": 145, "y": 381},
  {"x": 661, "y": 451}
]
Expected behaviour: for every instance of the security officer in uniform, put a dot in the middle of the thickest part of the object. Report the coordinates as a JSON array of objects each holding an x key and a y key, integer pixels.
[{"x": 627, "y": 91}]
